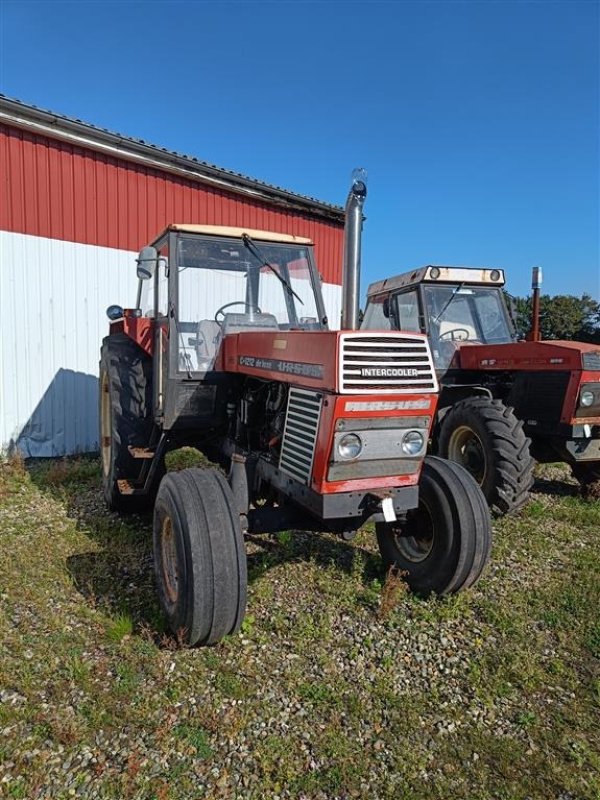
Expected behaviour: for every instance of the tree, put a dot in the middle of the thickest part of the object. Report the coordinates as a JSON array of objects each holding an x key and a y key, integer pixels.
[{"x": 562, "y": 316}]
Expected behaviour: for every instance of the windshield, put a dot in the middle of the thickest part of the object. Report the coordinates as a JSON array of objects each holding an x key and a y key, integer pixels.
[
  {"x": 464, "y": 314},
  {"x": 225, "y": 287}
]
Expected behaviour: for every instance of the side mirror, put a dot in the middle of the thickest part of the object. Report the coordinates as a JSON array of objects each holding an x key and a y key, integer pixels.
[
  {"x": 146, "y": 263},
  {"x": 386, "y": 308}
]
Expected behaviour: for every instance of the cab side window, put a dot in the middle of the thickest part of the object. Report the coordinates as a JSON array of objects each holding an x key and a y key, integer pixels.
[
  {"x": 375, "y": 318},
  {"x": 407, "y": 307}
]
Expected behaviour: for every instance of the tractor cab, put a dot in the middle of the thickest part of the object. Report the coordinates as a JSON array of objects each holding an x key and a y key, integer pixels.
[
  {"x": 272, "y": 278},
  {"x": 452, "y": 305}
]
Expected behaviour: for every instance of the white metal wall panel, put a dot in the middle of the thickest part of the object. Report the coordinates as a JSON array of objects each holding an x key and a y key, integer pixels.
[
  {"x": 332, "y": 297},
  {"x": 53, "y": 297}
]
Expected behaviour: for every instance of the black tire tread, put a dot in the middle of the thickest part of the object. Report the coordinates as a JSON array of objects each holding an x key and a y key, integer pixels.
[
  {"x": 448, "y": 483},
  {"x": 130, "y": 380},
  {"x": 511, "y": 460},
  {"x": 213, "y": 599}
]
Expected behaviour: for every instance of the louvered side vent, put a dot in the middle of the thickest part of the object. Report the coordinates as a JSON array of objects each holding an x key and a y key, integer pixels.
[
  {"x": 300, "y": 434},
  {"x": 396, "y": 363},
  {"x": 591, "y": 360}
]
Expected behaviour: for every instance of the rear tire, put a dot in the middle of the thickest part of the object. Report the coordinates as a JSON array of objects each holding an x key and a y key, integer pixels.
[
  {"x": 125, "y": 418},
  {"x": 199, "y": 556},
  {"x": 486, "y": 438},
  {"x": 445, "y": 543},
  {"x": 588, "y": 475}
]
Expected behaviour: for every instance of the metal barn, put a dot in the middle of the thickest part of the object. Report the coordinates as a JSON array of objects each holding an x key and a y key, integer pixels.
[{"x": 78, "y": 203}]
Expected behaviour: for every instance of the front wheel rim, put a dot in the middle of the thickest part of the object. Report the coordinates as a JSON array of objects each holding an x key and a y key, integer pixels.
[
  {"x": 105, "y": 426},
  {"x": 416, "y": 541},
  {"x": 169, "y": 564},
  {"x": 466, "y": 449}
]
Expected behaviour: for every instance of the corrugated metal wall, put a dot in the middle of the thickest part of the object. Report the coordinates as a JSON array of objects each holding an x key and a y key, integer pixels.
[
  {"x": 57, "y": 190},
  {"x": 53, "y": 297}
]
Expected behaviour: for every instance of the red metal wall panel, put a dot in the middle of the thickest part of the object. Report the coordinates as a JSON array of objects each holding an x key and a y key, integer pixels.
[{"x": 62, "y": 191}]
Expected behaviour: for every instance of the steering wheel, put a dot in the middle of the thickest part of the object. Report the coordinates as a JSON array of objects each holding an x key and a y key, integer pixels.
[
  {"x": 228, "y": 305},
  {"x": 450, "y": 334}
]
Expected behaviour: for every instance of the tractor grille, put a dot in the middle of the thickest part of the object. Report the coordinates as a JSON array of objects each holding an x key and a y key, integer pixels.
[
  {"x": 397, "y": 363},
  {"x": 539, "y": 396},
  {"x": 591, "y": 360},
  {"x": 300, "y": 434}
]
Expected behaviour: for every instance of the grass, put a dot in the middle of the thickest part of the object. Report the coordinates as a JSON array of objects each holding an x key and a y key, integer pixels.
[{"x": 340, "y": 684}]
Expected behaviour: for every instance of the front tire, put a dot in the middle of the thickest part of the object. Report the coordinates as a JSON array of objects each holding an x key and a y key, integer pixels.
[
  {"x": 445, "y": 543},
  {"x": 199, "y": 556},
  {"x": 485, "y": 437}
]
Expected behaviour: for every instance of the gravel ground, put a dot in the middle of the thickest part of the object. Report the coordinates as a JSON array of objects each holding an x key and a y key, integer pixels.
[{"x": 340, "y": 685}]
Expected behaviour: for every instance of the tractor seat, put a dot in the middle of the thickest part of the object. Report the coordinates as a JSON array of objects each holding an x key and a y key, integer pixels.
[
  {"x": 207, "y": 340},
  {"x": 237, "y": 323}
]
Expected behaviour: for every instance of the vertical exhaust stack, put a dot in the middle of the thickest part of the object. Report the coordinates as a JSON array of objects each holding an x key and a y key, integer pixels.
[
  {"x": 352, "y": 241},
  {"x": 536, "y": 285}
]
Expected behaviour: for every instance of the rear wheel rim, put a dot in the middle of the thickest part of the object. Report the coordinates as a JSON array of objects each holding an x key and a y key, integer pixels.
[
  {"x": 415, "y": 542},
  {"x": 170, "y": 569},
  {"x": 466, "y": 448},
  {"x": 105, "y": 426}
]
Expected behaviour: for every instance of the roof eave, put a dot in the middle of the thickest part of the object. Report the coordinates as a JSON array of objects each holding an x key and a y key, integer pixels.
[{"x": 24, "y": 116}]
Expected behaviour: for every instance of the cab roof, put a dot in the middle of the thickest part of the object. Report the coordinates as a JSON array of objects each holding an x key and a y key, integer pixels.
[
  {"x": 234, "y": 233},
  {"x": 435, "y": 273}
]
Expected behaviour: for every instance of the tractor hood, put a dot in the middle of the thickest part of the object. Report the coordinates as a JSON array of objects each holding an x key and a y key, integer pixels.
[{"x": 545, "y": 355}]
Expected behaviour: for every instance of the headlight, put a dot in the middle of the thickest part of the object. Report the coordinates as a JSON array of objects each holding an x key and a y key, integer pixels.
[
  {"x": 412, "y": 443},
  {"x": 350, "y": 446},
  {"x": 586, "y": 398}
]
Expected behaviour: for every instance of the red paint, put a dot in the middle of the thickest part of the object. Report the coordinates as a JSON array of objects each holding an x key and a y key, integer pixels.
[
  {"x": 572, "y": 398},
  {"x": 555, "y": 356},
  {"x": 140, "y": 329},
  {"x": 60, "y": 191},
  {"x": 525, "y": 356},
  {"x": 318, "y": 349},
  {"x": 333, "y": 409}
]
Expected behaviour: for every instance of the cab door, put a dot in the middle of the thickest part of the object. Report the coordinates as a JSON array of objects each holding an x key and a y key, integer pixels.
[{"x": 407, "y": 311}]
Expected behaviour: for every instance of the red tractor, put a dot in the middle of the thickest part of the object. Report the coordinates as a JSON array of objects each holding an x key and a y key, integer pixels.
[
  {"x": 503, "y": 403},
  {"x": 307, "y": 428}
]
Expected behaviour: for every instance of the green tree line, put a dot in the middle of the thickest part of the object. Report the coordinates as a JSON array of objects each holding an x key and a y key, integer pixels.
[{"x": 562, "y": 316}]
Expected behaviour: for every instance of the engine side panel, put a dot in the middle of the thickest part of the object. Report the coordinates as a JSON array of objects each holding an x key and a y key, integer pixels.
[{"x": 306, "y": 358}]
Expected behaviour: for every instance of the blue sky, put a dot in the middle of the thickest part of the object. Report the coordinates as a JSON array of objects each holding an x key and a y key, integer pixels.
[{"x": 478, "y": 122}]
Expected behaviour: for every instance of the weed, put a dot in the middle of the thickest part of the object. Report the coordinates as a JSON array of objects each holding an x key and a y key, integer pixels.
[
  {"x": 229, "y": 684},
  {"x": 285, "y": 539},
  {"x": 535, "y": 509},
  {"x": 17, "y": 789},
  {"x": 128, "y": 678},
  {"x": 186, "y": 458},
  {"x": 317, "y": 693},
  {"x": 196, "y": 737},
  {"x": 526, "y": 719},
  {"x": 370, "y": 595},
  {"x": 120, "y": 627},
  {"x": 592, "y": 639},
  {"x": 248, "y": 624},
  {"x": 394, "y": 588}
]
